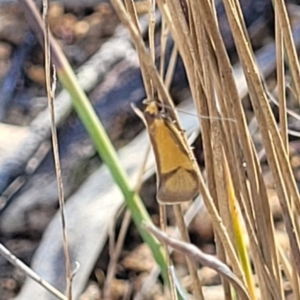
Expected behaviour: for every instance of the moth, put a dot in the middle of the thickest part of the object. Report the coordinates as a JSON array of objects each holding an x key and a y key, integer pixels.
[{"x": 177, "y": 177}]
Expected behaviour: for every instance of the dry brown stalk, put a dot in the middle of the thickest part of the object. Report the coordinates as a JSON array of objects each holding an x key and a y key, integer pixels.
[
  {"x": 30, "y": 273},
  {"x": 205, "y": 259},
  {"x": 50, "y": 95}
]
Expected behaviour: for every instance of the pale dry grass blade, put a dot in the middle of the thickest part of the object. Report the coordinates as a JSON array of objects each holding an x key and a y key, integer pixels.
[
  {"x": 204, "y": 259},
  {"x": 30, "y": 273},
  {"x": 280, "y": 14},
  {"x": 210, "y": 127},
  {"x": 290, "y": 48},
  {"x": 197, "y": 286},
  {"x": 171, "y": 67},
  {"x": 163, "y": 46},
  {"x": 280, "y": 78},
  {"x": 281, "y": 170}
]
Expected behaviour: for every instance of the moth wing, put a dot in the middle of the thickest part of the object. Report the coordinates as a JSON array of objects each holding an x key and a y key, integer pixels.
[{"x": 179, "y": 186}]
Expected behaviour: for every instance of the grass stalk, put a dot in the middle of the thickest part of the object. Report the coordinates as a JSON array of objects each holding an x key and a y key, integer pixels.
[
  {"x": 192, "y": 267},
  {"x": 238, "y": 232},
  {"x": 50, "y": 88},
  {"x": 30, "y": 273},
  {"x": 205, "y": 259},
  {"x": 278, "y": 160}
]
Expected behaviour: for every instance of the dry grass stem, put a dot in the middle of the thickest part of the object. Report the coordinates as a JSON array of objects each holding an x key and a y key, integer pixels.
[
  {"x": 145, "y": 57},
  {"x": 197, "y": 287},
  {"x": 50, "y": 95},
  {"x": 115, "y": 249},
  {"x": 189, "y": 216},
  {"x": 163, "y": 46},
  {"x": 163, "y": 227},
  {"x": 171, "y": 67},
  {"x": 114, "y": 256},
  {"x": 279, "y": 14},
  {"x": 268, "y": 128},
  {"x": 205, "y": 259},
  {"x": 280, "y": 79},
  {"x": 30, "y": 273},
  {"x": 290, "y": 48}
]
